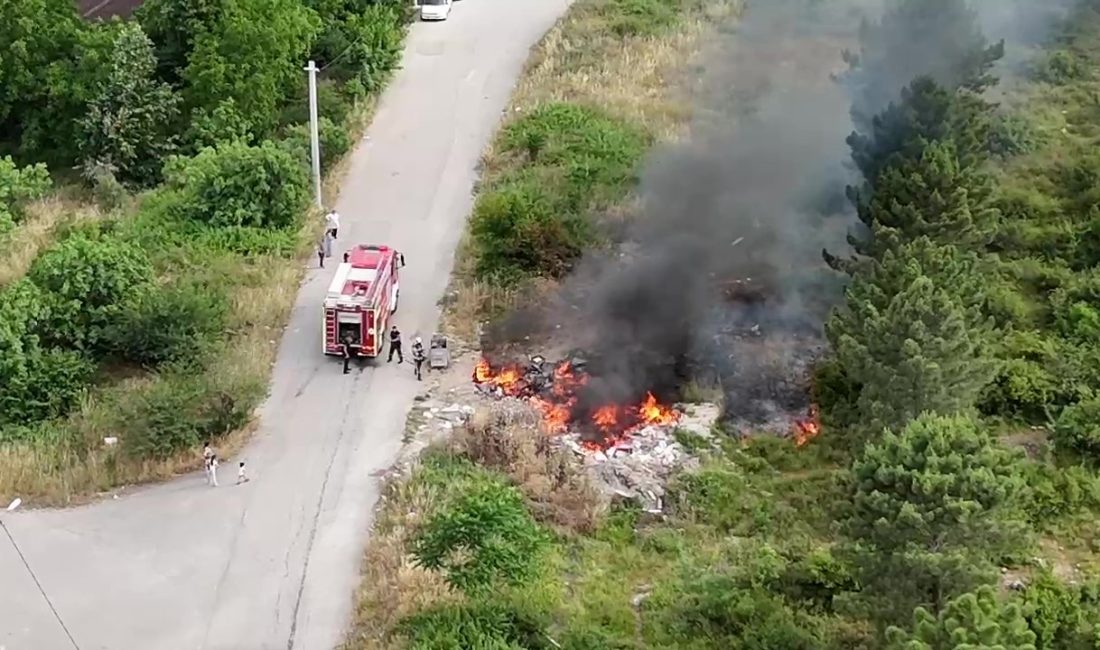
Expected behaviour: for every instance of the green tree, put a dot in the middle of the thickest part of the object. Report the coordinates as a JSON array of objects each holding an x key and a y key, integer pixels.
[
  {"x": 974, "y": 621},
  {"x": 252, "y": 55},
  {"x": 939, "y": 39},
  {"x": 18, "y": 186},
  {"x": 911, "y": 342},
  {"x": 239, "y": 185},
  {"x": 1063, "y": 617},
  {"x": 87, "y": 282},
  {"x": 40, "y": 40},
  {"x": 485, "y": 539},
  {"x": 933, "y": 506},
  {"x": 126, "y": 125}
]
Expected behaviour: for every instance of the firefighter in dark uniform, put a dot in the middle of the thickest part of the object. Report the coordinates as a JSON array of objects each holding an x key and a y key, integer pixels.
[
  {"x": 395, "y": 345},
  {"x": 345, "y": 350},
  {"x": 418, "y": 355}
]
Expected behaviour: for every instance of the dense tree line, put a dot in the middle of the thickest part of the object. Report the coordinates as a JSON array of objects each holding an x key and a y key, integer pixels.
[{"x": 969, "y": 310}]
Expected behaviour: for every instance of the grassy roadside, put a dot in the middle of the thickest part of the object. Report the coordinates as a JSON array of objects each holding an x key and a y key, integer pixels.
[
  {"x": 68, "y": 462},
  {"x": 599, "y": 90}
]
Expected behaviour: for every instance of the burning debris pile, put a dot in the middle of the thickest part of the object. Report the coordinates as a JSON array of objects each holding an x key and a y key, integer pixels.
[
  {"x": 600, "y": 430},
  {"x": 630, "y": 449},
  {"x": 556, "y": 391}
]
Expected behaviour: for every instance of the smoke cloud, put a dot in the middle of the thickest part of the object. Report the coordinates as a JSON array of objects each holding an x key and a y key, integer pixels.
[{"x": 720, "y": 274}]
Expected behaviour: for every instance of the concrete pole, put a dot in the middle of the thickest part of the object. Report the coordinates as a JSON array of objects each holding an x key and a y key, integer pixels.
[{"x": 314, "y": 138}]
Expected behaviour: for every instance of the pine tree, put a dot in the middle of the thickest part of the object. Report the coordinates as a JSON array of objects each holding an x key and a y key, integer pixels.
[
  {"x": 973, "y": 621},
  {"x": 933, "y": 507},
  {"x": 911, "y": 336},
  {"x": 934, "y": 195},
  {"x": 926, "y": 112}
]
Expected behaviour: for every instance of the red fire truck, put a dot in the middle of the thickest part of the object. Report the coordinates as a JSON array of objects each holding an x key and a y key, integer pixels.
[{"x": 360, "y": 299}]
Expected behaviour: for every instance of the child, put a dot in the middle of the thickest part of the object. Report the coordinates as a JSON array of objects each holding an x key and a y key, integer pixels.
[
  {"x": 214, "y": 471},
  {"x": 241, "y": 477}
]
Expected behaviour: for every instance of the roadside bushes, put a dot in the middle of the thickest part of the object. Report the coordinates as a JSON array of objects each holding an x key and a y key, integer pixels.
[
  {"x": 566, "y": 160},
  {"x": 174, "y": 323},
  {"x": 178, "y": 411},
  {"x": 333, "y": 139},
  {"x": 240, "y": 185}
]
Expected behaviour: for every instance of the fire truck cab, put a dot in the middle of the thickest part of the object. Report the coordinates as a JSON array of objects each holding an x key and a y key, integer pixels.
[{"x": 360, "y": 299}]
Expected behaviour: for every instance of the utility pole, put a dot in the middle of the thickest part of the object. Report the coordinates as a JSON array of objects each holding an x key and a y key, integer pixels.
[{"x": 314, "y": 138}]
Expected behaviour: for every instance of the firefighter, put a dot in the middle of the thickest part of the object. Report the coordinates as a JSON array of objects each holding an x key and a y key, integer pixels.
[
  {"x": 418, "y": 355},
  {"x": 345, "y": 350},
  {"x": 346, "y": 256},
  {"x": 395, "y": 345}
]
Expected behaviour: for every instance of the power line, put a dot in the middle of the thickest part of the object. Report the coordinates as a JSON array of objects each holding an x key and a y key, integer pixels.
[{"x": 39, "y": 585}]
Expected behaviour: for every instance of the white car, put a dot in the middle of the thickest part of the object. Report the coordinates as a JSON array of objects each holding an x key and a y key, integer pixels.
[{"x": 435, "y": 9}]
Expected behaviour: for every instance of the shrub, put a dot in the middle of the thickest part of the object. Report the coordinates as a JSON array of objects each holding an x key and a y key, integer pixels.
[
  {"x": 1062, "y": 617},
  {"x": 333, "y": 139},
  {"x": 179, "y": 410},
  {"x": 478, "y": 626},
  {"x": 518, "y": 232},
  {"x": 35, "y": 384},
  {"x": 717, "y": 613},
  {"x": 87, "y": 281},
  {"x": 484, "y": 539},
  {"x": 1078, "y": 428},
  {"x": 167, "y": 324},
  {"x": 240, "y": 185},
  {"x": 18, "y": 185},
  {"x": 976, "y": 619},
  {"x": 1055, "y": 492},
  {"x": 642, "y": 17}
]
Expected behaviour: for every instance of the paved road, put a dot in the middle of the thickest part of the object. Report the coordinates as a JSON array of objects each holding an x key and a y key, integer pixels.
[{"x": 273, "y": 563}]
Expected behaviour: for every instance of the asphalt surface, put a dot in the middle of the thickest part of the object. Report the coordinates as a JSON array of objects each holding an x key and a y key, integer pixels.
[{"x": 273, "y": 563}]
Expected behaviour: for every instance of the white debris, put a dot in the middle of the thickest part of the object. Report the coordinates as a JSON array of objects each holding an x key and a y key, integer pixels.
[{"x": 110, "y": 440}]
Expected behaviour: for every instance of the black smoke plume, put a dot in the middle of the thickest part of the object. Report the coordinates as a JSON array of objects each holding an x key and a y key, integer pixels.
[{"x": 719, "y": 273}]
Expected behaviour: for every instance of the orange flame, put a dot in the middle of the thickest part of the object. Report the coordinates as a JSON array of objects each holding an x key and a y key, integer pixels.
[
  {"x": 807, "y": 429},
  {"x": 616, "y": 422}
]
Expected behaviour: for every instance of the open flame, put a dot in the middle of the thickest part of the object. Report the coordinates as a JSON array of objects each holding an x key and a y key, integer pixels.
[
  {"x": 807, "y": 428},
  {"x": 557, "y": 404}
]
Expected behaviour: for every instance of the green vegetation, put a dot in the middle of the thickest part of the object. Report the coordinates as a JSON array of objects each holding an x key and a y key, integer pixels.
[
  {"x": 951, "y": 501},
  {"x": 152, "y": 323}
]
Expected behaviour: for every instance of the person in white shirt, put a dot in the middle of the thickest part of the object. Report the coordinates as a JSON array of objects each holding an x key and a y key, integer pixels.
[
  {"x": 241, "y": 476},
  {"x": 332, "y": 222},
  {"x": 214, "y": 471}
]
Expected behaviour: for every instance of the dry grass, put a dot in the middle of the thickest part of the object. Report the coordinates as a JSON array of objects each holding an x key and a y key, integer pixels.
[
  {"x": 640, "y": 79},
  {"x": 558, "y": 491},
  {"x": 19, "y": 247}
]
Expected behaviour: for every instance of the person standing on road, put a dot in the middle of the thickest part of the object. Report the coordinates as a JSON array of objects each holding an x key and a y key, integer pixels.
[
  {"x": 418, "y": 355},
  {"x": 213, "y": 475},
  {"x": 332, "y": 222},
  {"x": 241, "y": 476},
  {"x": 207, "y": 454},
  {"x": 395, "y": 345},
  {"x": 345, "y": 350},
  {"x": 321, "y": 253}
]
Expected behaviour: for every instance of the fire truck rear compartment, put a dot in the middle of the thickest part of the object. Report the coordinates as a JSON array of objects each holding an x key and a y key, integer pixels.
[{"x": 351, "y": 325}]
